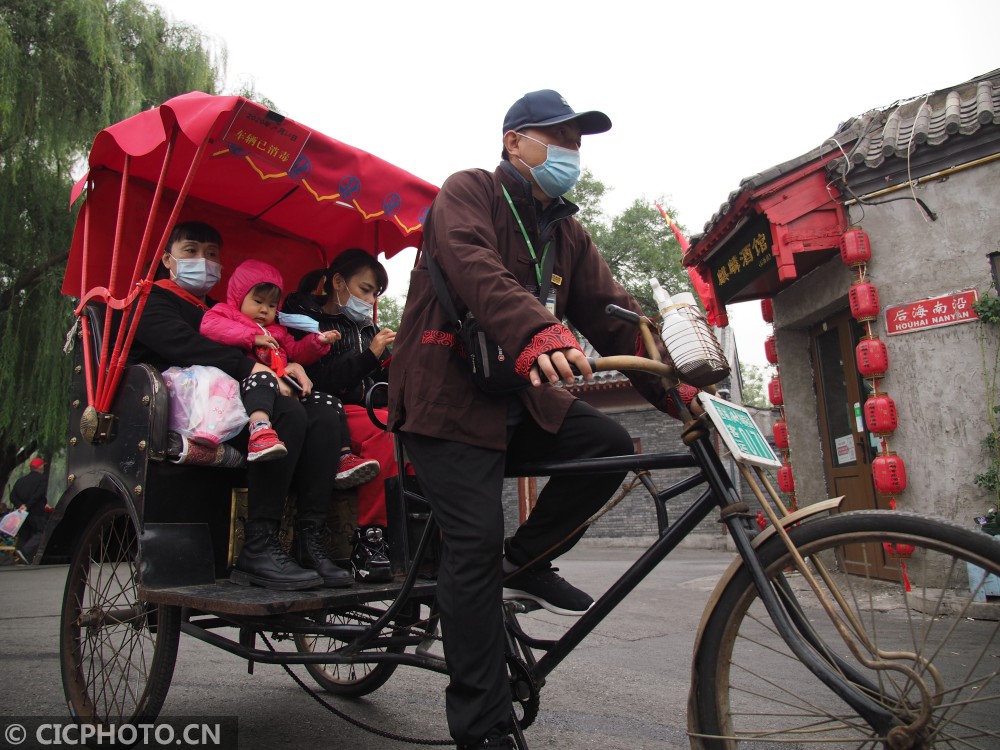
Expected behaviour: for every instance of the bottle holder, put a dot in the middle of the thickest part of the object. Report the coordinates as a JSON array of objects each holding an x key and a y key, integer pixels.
[{"x": 693, "y": 347}]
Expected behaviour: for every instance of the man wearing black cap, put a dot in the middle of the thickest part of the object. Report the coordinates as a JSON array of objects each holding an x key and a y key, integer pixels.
[{"x": 512, "y": 255}]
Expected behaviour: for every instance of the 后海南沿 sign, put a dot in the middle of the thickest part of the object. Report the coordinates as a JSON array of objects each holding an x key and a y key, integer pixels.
[
  {"x": 739, "y": 432},
  {"x": 935, "y": 312}
]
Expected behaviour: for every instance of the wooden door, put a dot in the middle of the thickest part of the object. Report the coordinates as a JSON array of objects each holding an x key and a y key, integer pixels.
[{"x": 848, "y": 447}]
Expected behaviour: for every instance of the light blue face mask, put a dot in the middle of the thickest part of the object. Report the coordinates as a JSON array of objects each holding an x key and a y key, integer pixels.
[
  {"x": 357, "y": 309},
  {"x": 559, "y": 172},
  {"x": 299, "y": 322},
  {"x": 196, "y": 275}
]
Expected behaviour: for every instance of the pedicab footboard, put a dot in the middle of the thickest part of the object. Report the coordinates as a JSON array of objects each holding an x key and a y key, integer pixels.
[{"x": 226, "y": 598}]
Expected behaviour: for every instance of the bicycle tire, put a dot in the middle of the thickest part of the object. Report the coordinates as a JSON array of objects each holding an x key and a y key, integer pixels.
[
  {"x": 116, "y": 652},
  {"x": 749, "y": 690},
  {"x": 349, "y": 680}
]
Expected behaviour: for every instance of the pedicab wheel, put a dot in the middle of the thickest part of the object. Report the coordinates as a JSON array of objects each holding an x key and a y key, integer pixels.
[
  {"x": 911, "y": 590},
  {"x": 357, "y": 679},
  {"x": 117, "y": 652}
]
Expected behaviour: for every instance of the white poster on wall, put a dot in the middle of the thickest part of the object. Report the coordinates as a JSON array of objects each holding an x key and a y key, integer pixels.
[{"x": 844, "y": 446}]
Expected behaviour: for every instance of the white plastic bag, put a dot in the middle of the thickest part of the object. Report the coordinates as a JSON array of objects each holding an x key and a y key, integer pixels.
[
  {"x": 11, "y": 523},
  {"x": 205, "y": 404}
]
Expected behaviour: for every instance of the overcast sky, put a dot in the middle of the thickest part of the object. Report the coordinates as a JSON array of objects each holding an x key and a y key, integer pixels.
[{"x": 701, "y": 94}]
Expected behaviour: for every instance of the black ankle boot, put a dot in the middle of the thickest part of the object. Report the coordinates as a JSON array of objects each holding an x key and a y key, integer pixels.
[
  {"x": 370, "y": 559},
  {"x": 310, "y": 549},
  {"x": 264, "y": 562}
]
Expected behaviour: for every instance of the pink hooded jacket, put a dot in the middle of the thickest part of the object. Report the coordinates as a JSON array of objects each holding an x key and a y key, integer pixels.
[{"x": 225, "y": 323}]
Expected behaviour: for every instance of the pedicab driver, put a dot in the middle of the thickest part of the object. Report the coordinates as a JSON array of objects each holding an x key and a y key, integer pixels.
[{"x": 488, "y": 233}]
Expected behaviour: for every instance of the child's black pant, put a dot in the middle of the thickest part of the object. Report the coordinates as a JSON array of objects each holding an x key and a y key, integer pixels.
[{"x": 308, "y": 427}]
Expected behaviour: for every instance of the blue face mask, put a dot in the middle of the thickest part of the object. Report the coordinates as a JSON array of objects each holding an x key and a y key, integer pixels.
[
  {"x": 196, "y": 275},
  {"x": 356, "y": 309},
  {"x": 299, "y": 322},
  {"x": 559, "y": 172}
]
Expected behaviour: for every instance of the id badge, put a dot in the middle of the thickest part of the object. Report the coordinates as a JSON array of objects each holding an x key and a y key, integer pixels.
[{"x": 550, "y": 303}]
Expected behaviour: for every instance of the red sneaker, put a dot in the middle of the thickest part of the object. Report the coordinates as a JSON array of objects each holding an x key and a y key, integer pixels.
[
  {"x": 354, "y": 470},
  {"x": 265, "y": 446}
]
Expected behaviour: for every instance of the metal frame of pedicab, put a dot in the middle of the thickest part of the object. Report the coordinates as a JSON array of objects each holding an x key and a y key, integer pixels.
[{"x": 118, "y": 427}]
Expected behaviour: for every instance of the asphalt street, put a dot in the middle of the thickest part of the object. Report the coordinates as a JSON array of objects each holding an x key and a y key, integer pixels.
[{"x": 624, "y": 687}]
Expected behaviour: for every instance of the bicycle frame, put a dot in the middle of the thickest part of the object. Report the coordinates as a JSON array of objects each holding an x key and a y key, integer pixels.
[{"x": 720, "y": 494}]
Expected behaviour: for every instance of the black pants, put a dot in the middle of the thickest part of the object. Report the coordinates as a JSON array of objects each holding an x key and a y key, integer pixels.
[
  {"x": 463, "y": 485},
  {"x": 260, "y": 390},
  {"x": 310, "y": 430}
]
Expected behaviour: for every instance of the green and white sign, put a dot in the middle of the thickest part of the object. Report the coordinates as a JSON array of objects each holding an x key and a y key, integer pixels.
[{"x": 739, "y": 432}]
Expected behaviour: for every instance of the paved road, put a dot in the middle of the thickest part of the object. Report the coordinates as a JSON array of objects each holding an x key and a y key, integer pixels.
[{"x": 623, "y": 688}]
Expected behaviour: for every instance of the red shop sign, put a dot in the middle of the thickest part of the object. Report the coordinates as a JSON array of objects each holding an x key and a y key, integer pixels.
[
  {"x": 935, "y": 312},
  {"x": 267, "y": 135}
]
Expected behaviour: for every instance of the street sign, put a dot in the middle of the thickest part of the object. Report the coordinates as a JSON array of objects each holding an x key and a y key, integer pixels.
[
  {"x": 935, "y": 312},
  {"x": 739, "y": 432}
]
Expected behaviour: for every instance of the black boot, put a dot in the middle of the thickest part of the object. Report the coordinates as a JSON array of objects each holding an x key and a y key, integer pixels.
[
  {"x": 264, "y": 562},
  {"x": 370, "y": 559},
  {"x": 310, "y": 549}
]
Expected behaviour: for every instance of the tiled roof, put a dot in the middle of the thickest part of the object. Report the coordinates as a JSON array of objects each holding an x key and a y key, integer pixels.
[
  {"x": 870, "y": 140},
  {"x": 928, "y": 120}
]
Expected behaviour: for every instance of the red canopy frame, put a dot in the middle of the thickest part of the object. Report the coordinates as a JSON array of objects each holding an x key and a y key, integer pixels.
[{"x": 275, "y": 189}]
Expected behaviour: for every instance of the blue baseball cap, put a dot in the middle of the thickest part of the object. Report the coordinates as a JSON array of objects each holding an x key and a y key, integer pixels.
[{"x": 539, "y": 109}]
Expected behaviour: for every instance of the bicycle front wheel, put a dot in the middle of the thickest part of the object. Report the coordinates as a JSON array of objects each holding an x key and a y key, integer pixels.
[{"x": 920, "y": 645}]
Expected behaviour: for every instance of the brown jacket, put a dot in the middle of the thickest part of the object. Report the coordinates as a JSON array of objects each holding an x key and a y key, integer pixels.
[{"x": 475, "y": 239}]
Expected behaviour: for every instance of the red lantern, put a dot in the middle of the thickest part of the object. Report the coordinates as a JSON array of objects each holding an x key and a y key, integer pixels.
[
  {"x": 771, "y": 350},
  {"x": 774, "y": 391},
  {"x": 767, "y": 310},
  {"x": 898, "y": 550},
  {"x": 786, "y": 482},
  {"x": 864, "y": 302},
  {"x": 889, "y": 473},
  {"x": 761, "y": 521},
  {"x": 880, "y": 414},
  {"x": 781, "y": 435},
  {"x": 872, "y": 356},
  {"x": 855, "y": 248}
]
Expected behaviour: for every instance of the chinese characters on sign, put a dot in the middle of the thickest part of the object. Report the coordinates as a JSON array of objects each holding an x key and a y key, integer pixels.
[
  {"x": 267, "y": 135},
  {"x": 751, "y": 256},
  {"x": 935, "y": 312},
  {"x": 739, "y": 432}
]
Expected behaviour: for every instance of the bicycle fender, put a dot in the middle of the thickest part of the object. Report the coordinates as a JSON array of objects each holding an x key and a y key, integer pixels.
[{"x": 798, "y": 516}]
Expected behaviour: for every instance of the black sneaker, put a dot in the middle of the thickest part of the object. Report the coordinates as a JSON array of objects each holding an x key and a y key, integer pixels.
[{"x": 552, "y": 591}]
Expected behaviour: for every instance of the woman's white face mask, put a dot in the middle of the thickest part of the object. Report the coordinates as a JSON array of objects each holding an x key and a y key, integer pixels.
[
  {"x": 356, "y": 308},
  {"x": 196, "y": 275}
]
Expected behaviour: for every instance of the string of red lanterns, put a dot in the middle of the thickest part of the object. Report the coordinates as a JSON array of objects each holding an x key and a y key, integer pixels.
[
  {"x": 872, "y": 357},
  {"x": 786, "y": 477}
]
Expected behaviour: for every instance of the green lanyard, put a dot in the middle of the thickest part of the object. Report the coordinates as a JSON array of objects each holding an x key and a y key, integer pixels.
[{"x": 531, "y": 249}]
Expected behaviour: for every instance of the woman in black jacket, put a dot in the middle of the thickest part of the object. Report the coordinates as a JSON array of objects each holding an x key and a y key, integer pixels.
[
  {"x": 168, "y": 335},
  {"x": 353, "y": 282}
]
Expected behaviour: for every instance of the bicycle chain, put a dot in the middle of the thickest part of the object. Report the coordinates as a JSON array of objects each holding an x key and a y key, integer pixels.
[{"x": 348, "y": 718}]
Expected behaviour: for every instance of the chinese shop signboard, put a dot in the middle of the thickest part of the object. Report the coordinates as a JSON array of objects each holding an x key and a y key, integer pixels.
[
  {"x": 748, "y": 256},
  {"x": 936, "y": 312}
]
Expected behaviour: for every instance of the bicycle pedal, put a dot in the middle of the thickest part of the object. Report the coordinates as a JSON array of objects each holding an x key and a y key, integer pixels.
[{"x": 521, "y": 606}]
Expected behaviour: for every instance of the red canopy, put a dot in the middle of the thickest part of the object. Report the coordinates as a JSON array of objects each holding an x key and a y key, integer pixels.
[{"x": 275, "y": 189}]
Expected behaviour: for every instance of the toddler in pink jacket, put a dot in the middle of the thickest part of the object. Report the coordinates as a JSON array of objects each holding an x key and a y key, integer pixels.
[{"x": 247, "y": 320}]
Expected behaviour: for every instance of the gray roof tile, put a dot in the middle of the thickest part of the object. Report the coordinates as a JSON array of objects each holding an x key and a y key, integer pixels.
[{"x": 911, "y": 125}]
